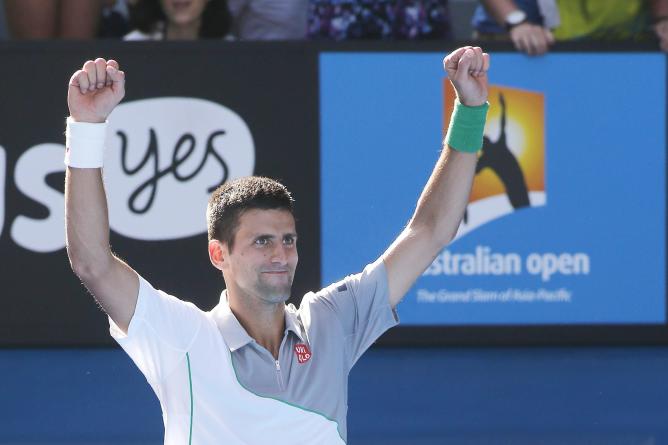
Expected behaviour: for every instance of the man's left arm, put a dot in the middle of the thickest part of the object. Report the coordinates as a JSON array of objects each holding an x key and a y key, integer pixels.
[{"x": 442, "y": 203}]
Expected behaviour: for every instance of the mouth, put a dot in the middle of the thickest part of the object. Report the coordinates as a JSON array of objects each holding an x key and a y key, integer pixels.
[{"x": 180, "y": 5}]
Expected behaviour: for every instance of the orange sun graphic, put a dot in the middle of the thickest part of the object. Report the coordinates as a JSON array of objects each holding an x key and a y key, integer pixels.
[{"x": 525, "y": 136}]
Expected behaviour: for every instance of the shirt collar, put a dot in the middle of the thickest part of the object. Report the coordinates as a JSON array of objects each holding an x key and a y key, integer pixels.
[
  {"x": 292, "y": 321},
  {"x": 236, "y": 336}
]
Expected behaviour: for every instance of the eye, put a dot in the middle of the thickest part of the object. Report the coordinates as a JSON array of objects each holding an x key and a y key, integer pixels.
[
  {"x": 289, "y": 240},
  {"x": 261, "y": 241}
]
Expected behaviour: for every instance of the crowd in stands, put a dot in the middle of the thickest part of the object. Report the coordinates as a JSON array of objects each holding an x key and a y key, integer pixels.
[
  {"x": 534, "y": 25},
  {"x": 378, "y": 19},
  {"x": 531, "y": 25}
]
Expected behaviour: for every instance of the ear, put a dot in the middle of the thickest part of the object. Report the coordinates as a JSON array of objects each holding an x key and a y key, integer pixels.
[{"x": 218, "y": 254}]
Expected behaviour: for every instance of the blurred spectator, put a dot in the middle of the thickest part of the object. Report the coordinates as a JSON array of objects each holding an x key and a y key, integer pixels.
[
  {"x": 179, "y": 20},
  {"x": 52, "y": 19},
  {"x": 661, "y": 26},
  {"x": 3, "y": 22},
  {"x": 609, "y": 20},
  {"x": 379, "y": 19},
  {"x": 268, "y": 19},
  {"x": 533, "y": 25},
  {"x": 521, "y": 21},
  {"x": 115, "y": 19}
]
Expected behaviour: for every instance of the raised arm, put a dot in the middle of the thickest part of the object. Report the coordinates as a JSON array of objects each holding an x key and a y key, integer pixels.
[
  {"x": 443, "y": 201},
  {"x": 93, "y": 93}
]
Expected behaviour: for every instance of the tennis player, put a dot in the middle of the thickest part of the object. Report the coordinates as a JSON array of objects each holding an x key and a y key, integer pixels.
[{"x": 254, "y": 370}]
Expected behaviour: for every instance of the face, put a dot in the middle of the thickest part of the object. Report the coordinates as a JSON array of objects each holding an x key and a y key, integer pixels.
[
  {"x": 264, "y": 257},
  {"x": 183, "y": 12}
]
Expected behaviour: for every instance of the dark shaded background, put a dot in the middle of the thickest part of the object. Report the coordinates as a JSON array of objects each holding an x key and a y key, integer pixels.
[{"x": 41, "y": 300}]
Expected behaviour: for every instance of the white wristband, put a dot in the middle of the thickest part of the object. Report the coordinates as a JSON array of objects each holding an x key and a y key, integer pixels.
[{"x": 84, "y": 144}]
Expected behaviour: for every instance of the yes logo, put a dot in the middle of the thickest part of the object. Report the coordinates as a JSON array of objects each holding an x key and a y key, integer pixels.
[
  {"x": 510, "y": 174},
  {"x": 164, "y": 156}
]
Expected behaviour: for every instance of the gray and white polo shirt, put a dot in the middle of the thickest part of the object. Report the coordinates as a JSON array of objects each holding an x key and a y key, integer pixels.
[{"x": 217, "y": 385}]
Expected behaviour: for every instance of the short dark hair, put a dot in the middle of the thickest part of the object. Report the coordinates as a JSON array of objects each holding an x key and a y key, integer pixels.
[
  {"x": 216, "y": 18},
  {"x": 229, "y": 201}
]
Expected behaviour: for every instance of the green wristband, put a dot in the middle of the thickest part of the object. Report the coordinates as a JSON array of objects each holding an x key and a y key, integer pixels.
[{"x": 467, "y": 125}]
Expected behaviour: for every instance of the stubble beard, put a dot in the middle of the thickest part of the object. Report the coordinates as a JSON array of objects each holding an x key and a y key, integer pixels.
[{"x": 274, "y": 293}]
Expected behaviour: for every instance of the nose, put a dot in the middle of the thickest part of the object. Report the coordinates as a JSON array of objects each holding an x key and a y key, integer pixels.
[{"x": 279, "y": 255}]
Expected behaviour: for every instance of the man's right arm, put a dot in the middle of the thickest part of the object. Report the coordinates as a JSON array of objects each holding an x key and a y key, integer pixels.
[{"x": 93, "y": 93}]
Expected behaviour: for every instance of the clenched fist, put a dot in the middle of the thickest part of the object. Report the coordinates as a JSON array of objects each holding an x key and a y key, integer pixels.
[
  {"x": 95, "y": 90},
  {"x": 467, "y": 70}
]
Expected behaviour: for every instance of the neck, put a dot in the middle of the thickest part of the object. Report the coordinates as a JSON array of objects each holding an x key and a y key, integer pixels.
[
  {"x": 186, "y": 31},
  {"x": 265, "y": 322}
]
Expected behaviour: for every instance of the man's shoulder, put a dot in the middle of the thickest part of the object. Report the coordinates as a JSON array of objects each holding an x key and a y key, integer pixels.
[
  {"x": 322, "y": 296},
  {"x": 315, "y": 305},
  {"x": 159, "y": 303},
  {"x": 372, "y": 272}
]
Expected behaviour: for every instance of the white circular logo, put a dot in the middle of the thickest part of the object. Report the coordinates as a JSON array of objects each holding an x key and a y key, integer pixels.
[{"x": 164, "y": 158}]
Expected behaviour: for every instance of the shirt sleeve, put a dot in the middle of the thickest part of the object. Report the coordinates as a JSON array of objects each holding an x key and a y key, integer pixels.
[
  {"x": 362, "y": 305},
  {"x": 160, "y": 333}
]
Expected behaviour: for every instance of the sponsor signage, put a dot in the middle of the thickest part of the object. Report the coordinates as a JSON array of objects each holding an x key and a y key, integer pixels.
[
  {"x": 564, "y": 229},
  {"x": 150, "y": 162},
  {"x": 566, "y": 219},
  {"x": 211, "y": 116}
]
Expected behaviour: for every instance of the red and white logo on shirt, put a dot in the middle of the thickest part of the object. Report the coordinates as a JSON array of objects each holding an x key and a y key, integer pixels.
[{"x": 303, "y": 352}]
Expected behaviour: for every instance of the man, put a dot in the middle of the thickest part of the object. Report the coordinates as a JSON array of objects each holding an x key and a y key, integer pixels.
[{"x": 254, "y": 370}]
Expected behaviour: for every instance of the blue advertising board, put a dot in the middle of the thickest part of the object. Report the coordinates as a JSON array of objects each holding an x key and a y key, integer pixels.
[{"x": 566, "y": 220}]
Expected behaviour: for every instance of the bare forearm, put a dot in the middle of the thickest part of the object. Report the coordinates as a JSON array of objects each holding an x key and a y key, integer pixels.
[
  {"x": 92, "y": 94},
  {"x": 499, "y": 9},
  {"x": 441, "y": 205},
  {"x": 434, "y": 223},
  {"x": 443, "y": 200},
  {"x": 86, "y": 220}
]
